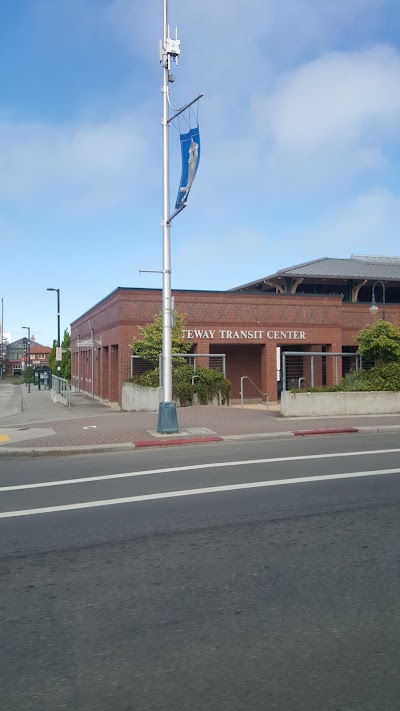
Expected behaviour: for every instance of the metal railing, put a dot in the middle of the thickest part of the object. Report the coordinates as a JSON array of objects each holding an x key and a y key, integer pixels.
[
  {"x": 61, "y": 387},
  {"x": 215, "y": 361},
  {"x": 315, "y": 364},
  {"x": 263, "y": 395},
  {"x": 304, "y": 380}
]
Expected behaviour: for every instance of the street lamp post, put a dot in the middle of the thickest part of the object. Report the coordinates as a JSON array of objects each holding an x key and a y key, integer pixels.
[
  {"x": 167, "y": 418},
  {"x": 374, "y": 308},
  {"x": 58, "y": 320},
  {"x": 28, "y": 357}
]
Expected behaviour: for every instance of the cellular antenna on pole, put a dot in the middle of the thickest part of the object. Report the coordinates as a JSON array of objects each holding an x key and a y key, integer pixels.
[
  {"x": 167, "y": 418},
  {"x": 169, "y": 53}
]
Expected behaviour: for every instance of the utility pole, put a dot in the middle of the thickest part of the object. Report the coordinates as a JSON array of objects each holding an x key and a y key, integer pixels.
[
  {"x": 167, "y": 418},
  {"x": 58, "y": 322},
  {"x": 28, "y": 357},
  {"x": 169, "y": 52}
]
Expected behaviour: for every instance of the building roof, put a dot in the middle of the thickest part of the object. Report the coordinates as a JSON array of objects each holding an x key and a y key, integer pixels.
[
  {"x": 357, "y": 267},
  {"x": 35, "y": 347}
]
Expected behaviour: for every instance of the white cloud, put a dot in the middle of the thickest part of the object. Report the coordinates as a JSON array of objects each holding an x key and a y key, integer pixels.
[
  {"x": 366, "y": 223},
  {"x": 371, "y": 220},
  {"x": 338, "y": 99},
  {"x": 327, "y": 122},
  {"x": 95, "y": 165}
]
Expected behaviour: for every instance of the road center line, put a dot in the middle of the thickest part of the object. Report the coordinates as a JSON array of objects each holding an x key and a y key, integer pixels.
[
  {"x": 194, "y": 467},
  {"x": 196, "y": 492}
]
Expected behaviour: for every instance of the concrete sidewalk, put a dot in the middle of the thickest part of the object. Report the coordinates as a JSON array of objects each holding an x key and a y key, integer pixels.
[{"x": 44, "y": 427}]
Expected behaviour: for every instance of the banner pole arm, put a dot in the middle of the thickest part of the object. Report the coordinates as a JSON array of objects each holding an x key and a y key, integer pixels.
[
  {"x": 174, "y": 214},
  {"x": 187, "y": 106}
]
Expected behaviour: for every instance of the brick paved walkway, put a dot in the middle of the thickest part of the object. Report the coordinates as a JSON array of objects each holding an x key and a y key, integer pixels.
[{"x": 44, "y": 424}]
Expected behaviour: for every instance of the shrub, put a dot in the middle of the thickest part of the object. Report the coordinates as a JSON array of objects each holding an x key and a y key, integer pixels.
[
  {"x": 380, "y": 342},
  {"x": 206, "y": 383},
  {"x": 149, "y": 346},
  {"x": 150, "y": 379},
  {"x": 182, "y": 386},
  {"x": 382, "y": 377}
]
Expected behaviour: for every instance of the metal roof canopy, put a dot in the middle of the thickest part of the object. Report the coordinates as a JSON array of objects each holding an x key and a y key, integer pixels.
[{"x": 357, "y": 267}]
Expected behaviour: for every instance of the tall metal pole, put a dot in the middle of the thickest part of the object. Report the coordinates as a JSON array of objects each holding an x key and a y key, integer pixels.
[
  {"x": 58, "y": 318},
  {"x": 166, "y": 298},
  {"x": 28, "y": 358},
  {"x": 58, "y": 329},
  {"x": 167, "y": 419},
  {"x": 58, "y": 322}
]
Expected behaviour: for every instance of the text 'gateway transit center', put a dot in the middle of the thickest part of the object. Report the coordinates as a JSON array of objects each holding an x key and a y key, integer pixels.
[{"x": 316, "y": 307}]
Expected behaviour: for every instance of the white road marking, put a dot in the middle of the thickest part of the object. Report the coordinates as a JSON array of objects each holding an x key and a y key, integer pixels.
[
  {"x": 195, "y": 492},
  {"x": 194, "y": 467}
]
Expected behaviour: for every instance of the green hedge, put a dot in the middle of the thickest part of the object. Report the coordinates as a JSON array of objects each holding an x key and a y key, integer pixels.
[
  {"x": 207, "y": 384},
  {"x": 384, "y": 377}
]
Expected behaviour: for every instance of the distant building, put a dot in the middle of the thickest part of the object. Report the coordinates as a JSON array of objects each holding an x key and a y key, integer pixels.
[
  {"x": 16, "y": 356},
  {"x": 318, "y": 306}
]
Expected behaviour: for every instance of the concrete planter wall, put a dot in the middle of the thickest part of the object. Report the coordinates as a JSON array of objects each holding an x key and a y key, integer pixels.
[
  {"x": 341, "y": 403},
  {"x": 62, "y": 399},
  {"x": 136, "y": 398}
]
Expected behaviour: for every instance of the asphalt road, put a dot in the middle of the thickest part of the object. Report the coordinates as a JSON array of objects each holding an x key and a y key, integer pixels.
[{"x": 282, "y": 595}]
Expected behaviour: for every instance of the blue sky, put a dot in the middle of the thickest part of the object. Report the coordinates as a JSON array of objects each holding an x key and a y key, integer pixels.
[{"x": 300, "y": 130}]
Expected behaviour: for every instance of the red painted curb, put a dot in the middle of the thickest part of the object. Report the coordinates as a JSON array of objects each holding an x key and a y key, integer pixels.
[
  {"x": 333, "y": 430},
  {"x": 172, "y": 442}
]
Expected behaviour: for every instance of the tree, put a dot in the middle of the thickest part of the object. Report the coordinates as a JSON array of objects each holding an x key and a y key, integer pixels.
[
  {"x": 52, "y": 359},
  {"x": 149, "y": 346},
  {"x": 65, "y": 364},
  {"x": 380, "y": 342}
]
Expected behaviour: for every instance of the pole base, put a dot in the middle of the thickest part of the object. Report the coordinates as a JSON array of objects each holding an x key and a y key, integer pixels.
[{"x": 167, "y": 419}]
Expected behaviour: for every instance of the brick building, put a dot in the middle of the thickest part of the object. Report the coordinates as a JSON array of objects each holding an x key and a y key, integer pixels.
[
  {"x": 317, "y": 306},
  {"x": 16, "y": 356}
]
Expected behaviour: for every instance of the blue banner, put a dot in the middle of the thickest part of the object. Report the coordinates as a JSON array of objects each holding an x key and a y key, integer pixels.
[{"x": 190, "y": 149}]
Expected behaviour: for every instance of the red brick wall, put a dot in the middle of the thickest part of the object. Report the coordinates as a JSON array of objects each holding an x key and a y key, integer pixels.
[
  {"x": 242, "y": 360},
  {"x": 325, "y": 319}
]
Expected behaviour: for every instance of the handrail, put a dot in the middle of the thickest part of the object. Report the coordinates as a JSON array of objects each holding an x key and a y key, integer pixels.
[
  {"x": 62, "y": 387},
  {"x": 246, "y": 377},
  {"x": 305, "y": 380}
]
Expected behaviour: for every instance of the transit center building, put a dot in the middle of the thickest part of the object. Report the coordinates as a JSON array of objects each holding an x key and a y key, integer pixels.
[{"x": 315, "y": 307}]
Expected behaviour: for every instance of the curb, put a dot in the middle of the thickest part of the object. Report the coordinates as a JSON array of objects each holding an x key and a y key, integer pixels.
[
  {"x": 258, "y": 436},
  {"x": 142, "y": 444},
  {"x": 327, "y": 431},
  {"x": 64, "y": 451},
  {"x": 174, "y": 442}
]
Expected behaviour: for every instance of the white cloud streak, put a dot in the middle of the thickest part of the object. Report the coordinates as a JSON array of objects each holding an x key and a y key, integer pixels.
[
  {"x": 335, "y": 100},
  {"x": 90, "y": 165}
]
